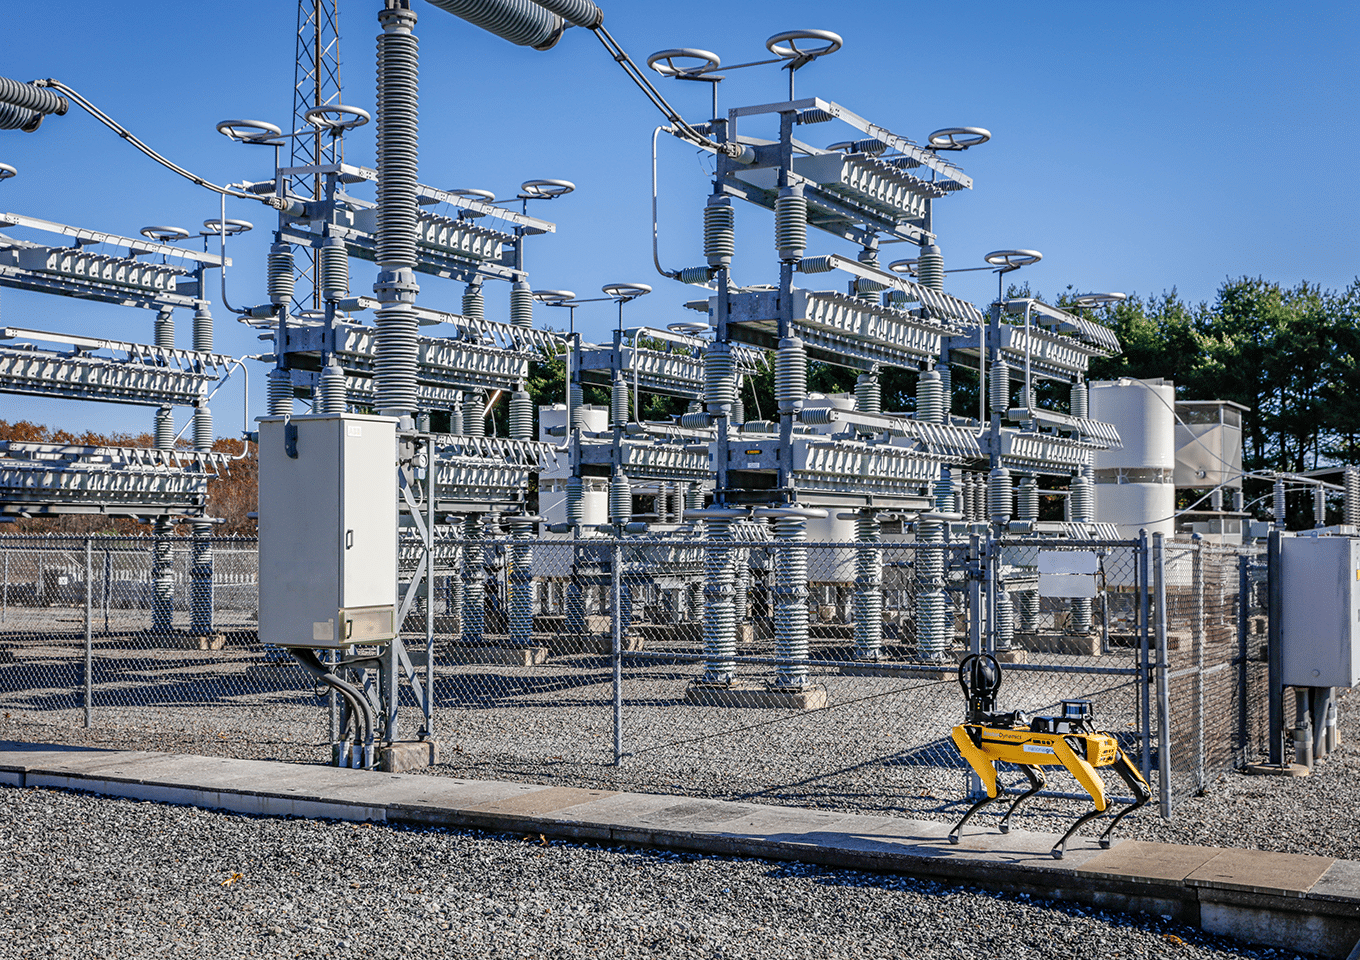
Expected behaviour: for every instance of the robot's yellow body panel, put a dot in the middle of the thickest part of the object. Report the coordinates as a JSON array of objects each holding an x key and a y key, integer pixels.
[{"x": 983, "y": 746}]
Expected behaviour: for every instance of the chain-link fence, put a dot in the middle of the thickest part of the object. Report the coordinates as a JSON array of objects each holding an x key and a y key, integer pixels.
[
  {"x": 853, "y": 694},
  {"x": 157, "y": 635},
  {"x": 1216, "y": 692},
  {"x": 808, "y": 672}
]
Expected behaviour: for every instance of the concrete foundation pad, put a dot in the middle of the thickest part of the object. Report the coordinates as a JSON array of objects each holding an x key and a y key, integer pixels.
[
  {"x": 1073, "y": 644},
  {"x": 406, "y": 755},
  {"x": 1277, "y": 770},
  {"x": 498, "y": 656},
  {"x": 756, "y": 695},
  {"x": 556, "y": 624},
  {"x": 916, "y": 671}
]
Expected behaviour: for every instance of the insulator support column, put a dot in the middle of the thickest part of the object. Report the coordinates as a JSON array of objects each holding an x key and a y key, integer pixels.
[
  {"x": 332, "y": 266},
  {"x": 331, "y": 390},
  {"x": 1082, "y": 498},
  {"x": 868, "y": 393},
  {"x": 930, "y": 398},
  {"x": 999, "y": 496},
  {"x": 1000, "y": 386},
  {"x": 618, "y": 401},
  {"x": 930, "y": 268},
  {"x": 790, "y": 223},
  {"x": 521, "y": 305},
  {"x": 279, "y": 274},
  {"x": 720, "y": 627},
  {"x": 720, "y": 384},
  {"x": 868, "y": 589},
  {"x": 279, "y": 392},
  {"x": 720, "y": 241},
  {"x": 1004, "y": 630},
  {"x": 474, "y": 582},
  {"x": 1077, "y": 405},
  {"x": 620, "y": 499},
  {"x": 474, "y": 302},
  {"x": 398, "y": 212},
  {"x": 203, "y": 330},
  {"x": 521, "y": 582},
  {"x": 521, "y": 416},
  {"x": 790, "y": 375},
  {"x": 790, "y": 602},
  {"x": 474, "y": 414}
]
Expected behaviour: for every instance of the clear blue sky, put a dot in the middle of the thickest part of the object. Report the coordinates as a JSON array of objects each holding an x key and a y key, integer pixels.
[{"x": 1140, "y": 147}]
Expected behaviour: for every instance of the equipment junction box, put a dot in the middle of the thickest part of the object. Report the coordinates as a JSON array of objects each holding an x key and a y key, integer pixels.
[
  {"x": 328, "y": 530},
  {"x": 1320, "y": 603}
]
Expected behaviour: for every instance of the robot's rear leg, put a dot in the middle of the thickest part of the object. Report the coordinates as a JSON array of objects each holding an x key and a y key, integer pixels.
[
  {"x": 1036, "y": 783},
  {"x": 1060, "y": 847}
]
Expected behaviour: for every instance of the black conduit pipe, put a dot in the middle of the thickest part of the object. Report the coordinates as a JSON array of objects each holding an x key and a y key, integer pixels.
[{"x": 352, "y": 694}]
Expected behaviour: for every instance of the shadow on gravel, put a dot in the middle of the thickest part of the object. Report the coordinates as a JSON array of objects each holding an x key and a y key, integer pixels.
[{"x": 18, "y": 746}]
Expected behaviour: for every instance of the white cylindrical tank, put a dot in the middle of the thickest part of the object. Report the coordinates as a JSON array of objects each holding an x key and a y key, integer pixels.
[
  {"x": 1135, "y": 485},
  {"x": 597, "y": 421},
  {"x": 552, "y": 507},
  {"x": 828, "y": 564}
]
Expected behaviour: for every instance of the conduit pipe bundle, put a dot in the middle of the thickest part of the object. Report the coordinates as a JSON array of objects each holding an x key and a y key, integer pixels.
[
  {"x": 528, "y": 23},
  {"x": 23, "y": 105}
]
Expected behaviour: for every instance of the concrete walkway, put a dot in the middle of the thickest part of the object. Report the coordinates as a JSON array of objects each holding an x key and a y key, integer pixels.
[{"x": 1298, "y": 902}]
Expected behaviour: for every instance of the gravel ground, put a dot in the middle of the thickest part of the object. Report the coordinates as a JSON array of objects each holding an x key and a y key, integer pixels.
[
  {"x": 85, "y": 876},
  {"x": 544, "y": 726}
]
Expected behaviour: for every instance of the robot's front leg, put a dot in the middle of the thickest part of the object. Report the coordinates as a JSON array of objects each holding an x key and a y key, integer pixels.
[
  {"x": 1036, "y": 783},
  {"x": 954, "y": 834},
  {"x": 1142, "y": 793}
]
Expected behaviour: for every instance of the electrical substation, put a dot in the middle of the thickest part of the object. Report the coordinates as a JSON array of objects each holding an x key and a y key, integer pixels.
[{"x": 781, "y": 559}]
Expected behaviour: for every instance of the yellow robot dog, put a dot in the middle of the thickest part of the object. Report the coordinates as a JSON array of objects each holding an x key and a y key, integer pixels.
[{"x": 988, "y": 736}]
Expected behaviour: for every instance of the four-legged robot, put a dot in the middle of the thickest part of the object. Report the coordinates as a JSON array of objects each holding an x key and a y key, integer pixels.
[{"x": 988, "y": 736}]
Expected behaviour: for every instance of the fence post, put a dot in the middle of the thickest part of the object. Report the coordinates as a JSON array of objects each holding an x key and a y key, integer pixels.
[
  {"x": 1163, "y": 680},
  {"x": 1198, "y": 586},
  {"x": 1243, "y": 621},
  {"x": 4, "y": 609},
  {"x": 89, "y": 632},
  {"x": 1274, "y": 669},
  {"x": 1144, "y": 646},
  {"x": 429, "y": 589},
  {"x": 616, "y": 575}
]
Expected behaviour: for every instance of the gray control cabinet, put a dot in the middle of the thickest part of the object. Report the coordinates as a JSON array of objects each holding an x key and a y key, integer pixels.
[
  {"x": 328, "y": 530},
  {"x": 1320, "y": 607}
]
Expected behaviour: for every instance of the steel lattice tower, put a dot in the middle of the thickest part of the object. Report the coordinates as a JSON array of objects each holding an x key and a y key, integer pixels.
[{"x": 316, "y": 82}]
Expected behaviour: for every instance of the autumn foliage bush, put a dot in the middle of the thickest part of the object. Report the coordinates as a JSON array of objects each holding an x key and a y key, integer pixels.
[{"x": 232, "y": 490}]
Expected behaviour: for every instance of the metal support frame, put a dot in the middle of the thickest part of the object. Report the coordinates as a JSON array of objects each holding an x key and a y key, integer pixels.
[
  {"x": 1274, "y": 627},
  {"x": 1163, "y": 677}
]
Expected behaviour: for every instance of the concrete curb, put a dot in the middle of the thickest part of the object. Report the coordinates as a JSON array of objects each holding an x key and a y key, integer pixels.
[{"x": 1302, "y": 903}]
